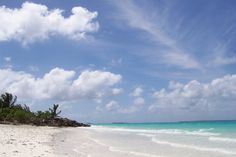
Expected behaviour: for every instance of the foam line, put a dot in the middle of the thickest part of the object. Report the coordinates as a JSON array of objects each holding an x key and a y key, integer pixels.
[
  {"x": 178, "y": 145},
  {"x": 201, "y": 132},
  {"x": 223, "y": 139}
]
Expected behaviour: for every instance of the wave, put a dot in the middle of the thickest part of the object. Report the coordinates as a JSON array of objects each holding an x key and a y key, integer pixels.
[
  {"x": 209, "y": 129},
  {"x": 114, "y": 149},
  {"x": 81, "y": 153},
  {"x": 223, "y": 139},
  {"x": 200, "y": 132},
  {"x": 147, "y": 135},
  {"x": 193, "y": 147}
]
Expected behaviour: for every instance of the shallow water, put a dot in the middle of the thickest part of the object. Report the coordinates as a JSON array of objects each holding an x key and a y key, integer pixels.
[{"x": 192, "y": 139}]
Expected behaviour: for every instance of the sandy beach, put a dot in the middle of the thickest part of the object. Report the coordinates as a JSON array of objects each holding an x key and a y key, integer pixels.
[
  {"x": 26, "y": 141},
  {"x": 95, "y": 141},
  {"x": 90, "y": 142},
  {"x": 31, "y": 141}
]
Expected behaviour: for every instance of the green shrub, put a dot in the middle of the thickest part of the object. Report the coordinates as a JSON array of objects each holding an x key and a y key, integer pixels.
[
  {"x": 22, "y": 116},
  {"x": 43, "y": 115},
  {"x": 6, "y": 114},
  {"x": 10, "y": 111}
]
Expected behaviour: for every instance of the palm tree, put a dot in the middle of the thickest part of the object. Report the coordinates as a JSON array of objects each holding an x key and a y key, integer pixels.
[
  {"x": 7, "y": 100},
  {"x": 54, "y": 112}
]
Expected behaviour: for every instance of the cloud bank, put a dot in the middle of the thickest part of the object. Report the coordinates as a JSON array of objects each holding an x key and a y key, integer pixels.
[
  {"x": 59, "y": 84},
  {"x": 35, "y": 22},
  {"x": 218, "y": 94}
]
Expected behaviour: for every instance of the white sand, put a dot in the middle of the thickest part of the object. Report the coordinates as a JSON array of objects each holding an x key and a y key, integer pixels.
[
  {"x": 89, "y": 142},
  {"x": 26, "y": 141},
  {"x": 107, "y": 142},
  {"x": 31, "y": 141}
]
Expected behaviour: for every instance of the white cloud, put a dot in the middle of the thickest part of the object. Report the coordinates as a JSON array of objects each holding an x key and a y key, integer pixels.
[
  {"x": 222, "y": 55},
  {"x": 219, "y": 93},
  {"x": 59, "y": 84},
  {"x": 224, "y": 60},
  {"x": 137, "y": 92},
  {"x": 35, "y": 22},
  {"x": 7, "y": 59},
  {"x": 95, "y": 84},
  {"x": 33, "y": 68},
  {"x": 114, "y": 106},
  {"x": 137, "y": 105},
  {"x": 179, "y": 58},
  {"x": 99, "y": 109},
  {"x": 116, "y": 62},
  {"x": 139, "y": 101},
  {"x": 172, "y": 54},
  {"x": 117, "y": 91},
  {"x": 8, "y": 63}
]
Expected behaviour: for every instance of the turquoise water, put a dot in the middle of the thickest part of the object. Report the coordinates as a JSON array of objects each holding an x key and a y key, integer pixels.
[
  {"x": 200, "y": 139},
  {"x": 215, "y": 126}
]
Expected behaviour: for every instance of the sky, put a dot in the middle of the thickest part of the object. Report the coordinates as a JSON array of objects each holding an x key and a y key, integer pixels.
[{"x": 121, "y": 61}]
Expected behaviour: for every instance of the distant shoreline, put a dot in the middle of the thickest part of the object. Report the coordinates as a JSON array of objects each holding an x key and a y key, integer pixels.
[{"x": 202, "y": 121}]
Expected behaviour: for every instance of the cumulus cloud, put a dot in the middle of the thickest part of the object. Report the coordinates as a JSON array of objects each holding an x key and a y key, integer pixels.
[
  {"x": 114, "y": 106},
  {"x": 59, "y": 84},
  {"x": 219, "y": 93},
  {"x": 33, "y": 22},
  {"x": 139, "y": 101},
  {"x": 137, "y": 92},
  {"x": 89, "y": 82},
  {"x": 137, "y": 105},
  {"x": 117, "y": 91}
]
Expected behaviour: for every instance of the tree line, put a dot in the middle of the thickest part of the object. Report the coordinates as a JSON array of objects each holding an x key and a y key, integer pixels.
[{"x": 13, "y": 112}]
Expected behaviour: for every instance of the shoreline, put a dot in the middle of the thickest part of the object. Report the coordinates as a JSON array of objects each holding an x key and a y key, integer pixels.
[
  {"x": 109, "y": 142},
  {"x": 97, "y": 141},
  {"x": 86, "y": 142}
]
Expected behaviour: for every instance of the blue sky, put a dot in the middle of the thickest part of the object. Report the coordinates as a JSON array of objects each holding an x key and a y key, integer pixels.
[{"x": 131, "y": 61}]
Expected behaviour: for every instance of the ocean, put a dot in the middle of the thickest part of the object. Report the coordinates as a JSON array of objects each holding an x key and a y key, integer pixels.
[{"x": 180, "y": 139}]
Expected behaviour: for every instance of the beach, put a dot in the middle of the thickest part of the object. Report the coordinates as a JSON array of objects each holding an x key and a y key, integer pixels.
[
  {"x": 32, "y": 141},
  {"x": 26, "y": 141},
  {"x": 119, "y": 141}
]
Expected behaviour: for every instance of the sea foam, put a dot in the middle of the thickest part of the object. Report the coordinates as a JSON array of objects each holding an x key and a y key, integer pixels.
[
  {"x": 200, "y": 132},
  {"x": 193, "y": 147},
  {"x": 119, "y": 150},
  {"x": 223, "y": 139}
]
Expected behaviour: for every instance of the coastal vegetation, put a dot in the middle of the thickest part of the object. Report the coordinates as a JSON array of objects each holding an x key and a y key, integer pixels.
[{"x": 13, "y": 113}]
